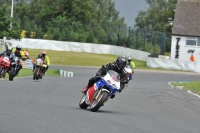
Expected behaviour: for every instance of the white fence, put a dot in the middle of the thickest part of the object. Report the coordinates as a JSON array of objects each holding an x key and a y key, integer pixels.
[
  {"x": 173, "y": 64},
  {"x": 81, "y": 47}
]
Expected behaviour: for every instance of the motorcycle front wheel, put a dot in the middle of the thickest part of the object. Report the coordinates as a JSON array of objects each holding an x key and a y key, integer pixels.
[
  {"x": 82, "y": 103},
  {"x": 36, "y": 74},
  {"x": 97, "y": 103},
  {"x": 1, "y": 69},
  {"x": 11, "y": 74}
]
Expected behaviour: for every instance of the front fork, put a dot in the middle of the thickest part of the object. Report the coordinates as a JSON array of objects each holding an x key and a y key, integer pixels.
[{"x": 98, "y": 94}]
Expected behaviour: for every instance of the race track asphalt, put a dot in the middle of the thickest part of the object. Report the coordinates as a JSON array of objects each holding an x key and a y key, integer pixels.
[{"x": 147, "y": 105}]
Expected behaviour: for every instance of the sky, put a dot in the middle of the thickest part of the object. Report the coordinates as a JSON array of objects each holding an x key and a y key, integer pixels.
[{"x": 129, "y": 9}]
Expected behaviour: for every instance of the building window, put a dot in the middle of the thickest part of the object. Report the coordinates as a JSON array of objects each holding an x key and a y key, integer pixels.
[
  {"x": 192, "y": 41},
  {"x": 198, "y": 41}
]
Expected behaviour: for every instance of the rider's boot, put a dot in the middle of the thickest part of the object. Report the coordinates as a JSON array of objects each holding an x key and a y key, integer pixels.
[
  {"x": 113, "y": 96},
  {"x": 17, "y": 72},
  {"x": 84, "y": 90},
  {"x": 131, "y": 77}
]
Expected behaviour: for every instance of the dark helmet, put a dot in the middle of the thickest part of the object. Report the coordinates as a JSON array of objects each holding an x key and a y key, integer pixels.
[
  {"x": 129, "y": 59},
  {"x": 44, "y": 53},
  {"x": 18, "y": 47},
  {"x": 40, "y": 56},
  {"x": 121, "y": 62}
]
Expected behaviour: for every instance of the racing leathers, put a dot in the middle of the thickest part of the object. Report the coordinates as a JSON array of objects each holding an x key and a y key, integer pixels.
[
  {"x": 47, "y": 61},
  {"x": 12, "y": 55},
  {"x": 21, "y": 55},
  {"x": 132, "y": 64}
]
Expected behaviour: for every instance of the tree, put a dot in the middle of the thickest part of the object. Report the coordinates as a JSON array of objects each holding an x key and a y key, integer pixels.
[
  {"x": 156, "y": 18},
  {"x": 93, "y": 21},
  {"x": 9, "y": 27}
]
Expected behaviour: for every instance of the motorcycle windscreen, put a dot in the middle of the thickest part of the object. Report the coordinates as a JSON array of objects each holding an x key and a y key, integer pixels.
[
  {"x": 38, "y": 62},
  {"x": 114, "y": 75}
]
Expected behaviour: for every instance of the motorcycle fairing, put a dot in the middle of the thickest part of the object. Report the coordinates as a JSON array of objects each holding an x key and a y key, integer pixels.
[
  {"x": 91, "y": 92},
  {"x": 108, "y": 82},
  {"x": 5, "y": 61}
]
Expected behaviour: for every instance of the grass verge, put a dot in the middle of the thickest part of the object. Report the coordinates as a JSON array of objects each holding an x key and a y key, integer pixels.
[
  {"x": 80, "y": 58},
  {"x": 193, "y": 86},
  {"x": 28, "y": 72}
]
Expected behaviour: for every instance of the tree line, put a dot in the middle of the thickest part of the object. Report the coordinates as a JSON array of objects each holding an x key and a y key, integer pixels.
[{"x": 93, "y": 21}]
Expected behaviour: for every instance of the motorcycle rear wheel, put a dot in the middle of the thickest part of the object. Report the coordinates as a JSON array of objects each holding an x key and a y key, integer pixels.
[
  {"x": 2, "y": 72},
  {"x": 97, "y": 103},
  {"x": 82, "y": 103}
]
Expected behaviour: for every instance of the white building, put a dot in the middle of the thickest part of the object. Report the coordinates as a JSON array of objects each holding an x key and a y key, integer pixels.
[{"x": 186, "y": 29}]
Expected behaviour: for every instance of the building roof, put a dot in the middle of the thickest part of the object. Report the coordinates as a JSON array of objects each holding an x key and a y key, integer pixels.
[{"x": 187, "y": 19}]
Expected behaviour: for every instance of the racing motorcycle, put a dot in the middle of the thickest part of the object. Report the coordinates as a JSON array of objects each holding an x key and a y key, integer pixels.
[
  {"x": 39, "y": 68},
  {"x": 129, "y": 71},
  {"x": 99, "y": 92},
  {"x": 4, "y": 65}
]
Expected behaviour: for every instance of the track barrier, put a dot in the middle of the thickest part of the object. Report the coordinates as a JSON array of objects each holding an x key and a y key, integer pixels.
[{"x": 65, "y": 73}]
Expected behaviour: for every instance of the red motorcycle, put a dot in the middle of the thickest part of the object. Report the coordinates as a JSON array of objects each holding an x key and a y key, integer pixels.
[{"x": 4, "y": 65}]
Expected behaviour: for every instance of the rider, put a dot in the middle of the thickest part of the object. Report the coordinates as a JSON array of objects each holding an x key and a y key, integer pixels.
[
  {"x": 41, "y": 58},
  {"x": 117, "y": 66},
  {"x": 8, "y": 52},
  {"x": 38, "y": 57},
  {"x": 46, "y": 59},
  {"x": 19, "y": 53},
  {"x": 131, "y": 63}
]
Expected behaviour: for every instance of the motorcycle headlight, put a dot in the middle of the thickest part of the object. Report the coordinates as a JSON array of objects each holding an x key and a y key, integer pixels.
[
  {"x": 114, "y": 86},
  {"x": 108, "y": 82}
]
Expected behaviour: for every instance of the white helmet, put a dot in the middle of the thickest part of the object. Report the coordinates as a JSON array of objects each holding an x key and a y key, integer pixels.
[
  {"x": 9, "y": 48},
  {"x": 129, "y": 59}
]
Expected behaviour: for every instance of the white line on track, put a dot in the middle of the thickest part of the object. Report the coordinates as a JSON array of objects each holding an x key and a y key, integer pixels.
[{"x": 189, "y": 91}]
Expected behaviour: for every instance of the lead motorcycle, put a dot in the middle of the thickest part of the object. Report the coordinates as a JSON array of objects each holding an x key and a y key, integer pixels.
[{"x": 99, "y": 92}]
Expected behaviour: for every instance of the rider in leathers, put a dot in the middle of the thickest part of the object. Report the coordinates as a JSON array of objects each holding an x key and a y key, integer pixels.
[
  {"x": 9, "y": 53},
  {"x": 117, "y": 66},
  {"x": 19, "y": 53}
]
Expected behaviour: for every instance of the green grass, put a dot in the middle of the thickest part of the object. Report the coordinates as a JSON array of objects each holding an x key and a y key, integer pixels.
[
  {"x": 80, "y": 58},
  {"x": 28, "y": 72},
  {"x": 194, "y": 86},
  {"x": 84, "y": 59}
]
